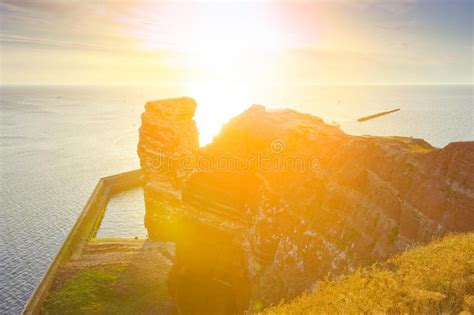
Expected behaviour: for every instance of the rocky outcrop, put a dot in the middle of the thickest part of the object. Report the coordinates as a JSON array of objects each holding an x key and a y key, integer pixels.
[
  {"x": 280, "y": 199},
  {"x": 168, "y": 138}
]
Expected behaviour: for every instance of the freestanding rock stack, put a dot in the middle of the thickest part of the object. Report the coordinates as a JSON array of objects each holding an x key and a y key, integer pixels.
[{"x": 168, "y": 141}]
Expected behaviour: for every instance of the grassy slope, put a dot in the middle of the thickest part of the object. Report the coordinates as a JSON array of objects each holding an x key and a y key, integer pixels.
[
  {"x": 114, "y": 276},
  {"x": 103, "y": 290},
  {"x": 429, "y": 279}
]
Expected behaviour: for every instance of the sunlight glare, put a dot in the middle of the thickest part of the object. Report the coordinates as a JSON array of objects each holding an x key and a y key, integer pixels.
[
  {"x": 217, "y": 103},
  {"x": 225, "y": 49}
]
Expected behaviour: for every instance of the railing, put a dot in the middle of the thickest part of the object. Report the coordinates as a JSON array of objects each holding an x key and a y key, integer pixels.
[{"x": 84, "y": 229}]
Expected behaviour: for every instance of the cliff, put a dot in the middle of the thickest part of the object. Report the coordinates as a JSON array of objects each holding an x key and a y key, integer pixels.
[
  {"x": 280, "y": 199},
  {"x": 433, "y": 279}
]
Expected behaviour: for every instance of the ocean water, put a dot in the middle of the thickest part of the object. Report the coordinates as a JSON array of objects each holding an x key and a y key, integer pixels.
[
  {"x": 57, "y": 141},
  {"x": 124, "y": 216}
]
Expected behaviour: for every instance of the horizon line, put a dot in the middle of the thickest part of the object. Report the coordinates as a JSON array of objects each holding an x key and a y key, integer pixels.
[{"x": 184, "y": 83}]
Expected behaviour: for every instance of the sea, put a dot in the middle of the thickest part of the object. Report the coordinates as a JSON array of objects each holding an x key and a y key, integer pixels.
[{"x": 57, "y": 141}]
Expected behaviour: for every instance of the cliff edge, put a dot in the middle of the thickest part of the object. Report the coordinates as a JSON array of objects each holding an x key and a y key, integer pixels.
[
  {"x": 433, "y": 279},
  {"x": 280, "y": 200}
]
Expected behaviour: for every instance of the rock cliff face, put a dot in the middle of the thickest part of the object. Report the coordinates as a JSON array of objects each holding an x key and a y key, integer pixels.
[
  {"x": 168, "y": 135},
  {"x": 280, "y": 199}
]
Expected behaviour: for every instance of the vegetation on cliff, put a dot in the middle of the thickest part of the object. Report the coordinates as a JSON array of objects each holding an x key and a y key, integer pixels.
[
  {"x": 114, "y": 276},
  {"x": 431, "y": 279}
]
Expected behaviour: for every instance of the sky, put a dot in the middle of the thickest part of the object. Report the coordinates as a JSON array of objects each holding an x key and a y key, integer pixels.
[{"x": 312, "y": 42}]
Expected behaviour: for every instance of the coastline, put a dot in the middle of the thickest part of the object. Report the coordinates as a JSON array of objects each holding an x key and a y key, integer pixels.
[{"x": 82, "y": 232}]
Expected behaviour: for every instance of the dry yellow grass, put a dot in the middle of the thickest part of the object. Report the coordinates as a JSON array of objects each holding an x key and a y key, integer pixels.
[{"x": 431, "y": 279}]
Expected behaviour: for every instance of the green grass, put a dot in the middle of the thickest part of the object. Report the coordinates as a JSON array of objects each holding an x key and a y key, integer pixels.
[
  {"x": 87, "y": 292},
  {"x": 110, "y": 289},
  {"x": 431, "y": 279}
]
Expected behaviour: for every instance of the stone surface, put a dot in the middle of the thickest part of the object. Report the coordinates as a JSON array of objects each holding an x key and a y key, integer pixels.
[{"x": 280, "y": 199}]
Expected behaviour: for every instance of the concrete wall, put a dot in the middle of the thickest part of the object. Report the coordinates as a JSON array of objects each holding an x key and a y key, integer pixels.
[{"x": 85, "y": 228}]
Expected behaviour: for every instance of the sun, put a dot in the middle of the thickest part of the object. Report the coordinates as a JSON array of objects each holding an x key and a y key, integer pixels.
[
  {"x": 225, "y": 51},
  {"x": 217, "y": 103},
  {"x": 229, "y": 51}
]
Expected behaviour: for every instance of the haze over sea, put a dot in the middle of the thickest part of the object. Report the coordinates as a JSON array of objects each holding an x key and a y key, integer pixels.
[{"x": 57, "y": 141}]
